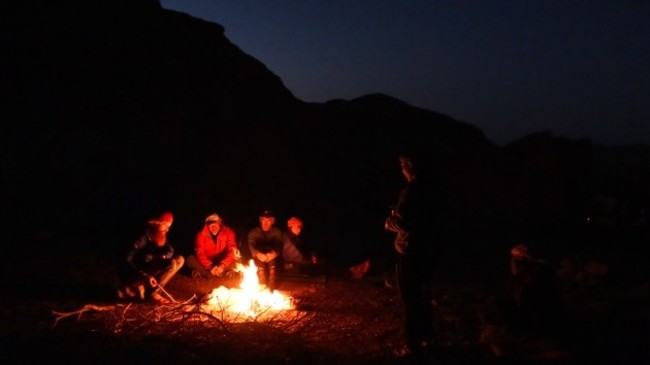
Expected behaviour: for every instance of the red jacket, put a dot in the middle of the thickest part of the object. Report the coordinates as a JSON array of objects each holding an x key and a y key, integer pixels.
[{"x": 221, "y": 250}]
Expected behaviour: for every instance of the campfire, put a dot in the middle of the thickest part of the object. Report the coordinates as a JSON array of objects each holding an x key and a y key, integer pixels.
[{"x": 250, "y": 301}]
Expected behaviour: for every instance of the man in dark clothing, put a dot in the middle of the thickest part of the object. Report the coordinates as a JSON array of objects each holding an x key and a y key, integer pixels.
[
  {"x": 265, "y": 244},
  {"x": 150, "y": 262},
  {"x": 418, "y": 220}
]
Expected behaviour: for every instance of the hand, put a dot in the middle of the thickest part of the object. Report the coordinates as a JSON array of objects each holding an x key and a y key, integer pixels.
[
  {"x": 217, "y": 270},
  {"x": 262, "y": 257},
  {"x": 153, "y": 282},
  {"x": 271, "y": 255}
]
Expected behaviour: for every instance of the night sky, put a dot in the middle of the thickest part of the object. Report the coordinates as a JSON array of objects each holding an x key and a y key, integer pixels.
[{"x": 579, "y": 69}]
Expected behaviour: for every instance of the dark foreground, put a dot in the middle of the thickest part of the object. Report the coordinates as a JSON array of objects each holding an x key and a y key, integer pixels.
[{"x": 61, "y": 308}]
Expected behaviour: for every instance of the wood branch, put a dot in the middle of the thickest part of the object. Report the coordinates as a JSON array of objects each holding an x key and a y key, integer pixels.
[{"x": 79, "y": 312}]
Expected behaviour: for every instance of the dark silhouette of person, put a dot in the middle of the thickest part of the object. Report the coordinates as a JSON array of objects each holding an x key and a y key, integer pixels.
[{"x": 419, "y": 221}]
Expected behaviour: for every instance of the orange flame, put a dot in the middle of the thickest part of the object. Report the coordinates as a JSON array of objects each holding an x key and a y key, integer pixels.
[{"x": 251, "y": 298}]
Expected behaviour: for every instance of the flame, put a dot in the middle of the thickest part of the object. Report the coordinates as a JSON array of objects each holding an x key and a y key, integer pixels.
[{"x": 251, "y": 298}]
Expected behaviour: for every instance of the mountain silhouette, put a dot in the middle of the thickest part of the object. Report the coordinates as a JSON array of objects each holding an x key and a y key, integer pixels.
[{"x": 115, "y": 109}]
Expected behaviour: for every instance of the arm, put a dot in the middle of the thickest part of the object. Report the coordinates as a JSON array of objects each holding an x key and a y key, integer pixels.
[
  {"x": 199, "y": 250},
  {"x": 230, "y": 247},
  {"x": 290, "y": 251},
  {"x": 132, "y": 254},
  {"x": 253, "y": 236}
]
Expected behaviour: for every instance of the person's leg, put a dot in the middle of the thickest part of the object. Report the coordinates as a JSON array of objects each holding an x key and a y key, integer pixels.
[
  {"x": 273, "y": 274},
  {"x": 171, "y": 270},
  {"x": 131, "y": 285},
  {"x": 194, "y": 264},
  {"x": 262, "y": 271},
  {"x": 418, "y": 310}
]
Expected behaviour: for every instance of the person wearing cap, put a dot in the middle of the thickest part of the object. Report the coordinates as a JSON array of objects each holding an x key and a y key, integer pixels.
[
  {"x": 150, "y": 262},
  {"x": 294, "y": 251},
  {"x": 215, "y": 250},
  {"x": 265, "y": 244}
]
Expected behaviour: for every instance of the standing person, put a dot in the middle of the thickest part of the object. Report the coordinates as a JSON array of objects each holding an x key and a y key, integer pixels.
[
  {"x": 215, "y": 250},
  {"x": 150, "y": 262},
  {"x": 265, "y": 244},
  {"x": 418, "y": 223}
]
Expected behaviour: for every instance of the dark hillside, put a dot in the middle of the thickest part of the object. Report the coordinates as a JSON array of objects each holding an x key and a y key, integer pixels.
[{"x": 119, "y": 108}]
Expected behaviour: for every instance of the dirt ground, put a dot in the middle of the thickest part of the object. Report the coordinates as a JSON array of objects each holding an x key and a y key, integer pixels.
[{"x": 67, "y": 313}]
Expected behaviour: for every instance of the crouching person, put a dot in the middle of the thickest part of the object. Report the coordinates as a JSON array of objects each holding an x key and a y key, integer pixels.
[
  {"x": 265, "y": 244},
  {"x": 150, "y": 263},
  {"x": 215, "y": 251}
]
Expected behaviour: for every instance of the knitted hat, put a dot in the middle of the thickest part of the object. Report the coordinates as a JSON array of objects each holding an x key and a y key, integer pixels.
[
  {"x": 166, "y": 217},
  {"x": 213, "y": 218}
]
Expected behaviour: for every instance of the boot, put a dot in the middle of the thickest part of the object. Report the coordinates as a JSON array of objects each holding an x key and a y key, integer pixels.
[
  {"x": 273, "y": 278},
  {"x": 261, "y": 276}
]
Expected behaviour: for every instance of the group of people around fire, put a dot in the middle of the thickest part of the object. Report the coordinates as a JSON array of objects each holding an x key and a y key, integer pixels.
[
  {"x": 419, "y": 234},
  {"x": 151, "y": 261},
  {"x": 419, "y": 223}
]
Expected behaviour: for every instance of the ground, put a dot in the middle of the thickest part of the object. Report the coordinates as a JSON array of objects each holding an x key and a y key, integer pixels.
[{"x": 68, "y": 313}]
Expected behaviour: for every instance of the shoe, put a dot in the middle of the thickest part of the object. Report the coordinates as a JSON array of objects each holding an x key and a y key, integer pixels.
[
  {"x": 126, "y": 292},
  {"x": 158, "y": 299}
]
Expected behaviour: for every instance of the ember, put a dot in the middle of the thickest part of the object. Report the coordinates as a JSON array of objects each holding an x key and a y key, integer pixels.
[{"x": 251, "y": 299}]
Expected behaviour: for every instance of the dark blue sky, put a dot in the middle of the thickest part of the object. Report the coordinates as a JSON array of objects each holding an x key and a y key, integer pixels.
[{"x": 580, "y": 69}]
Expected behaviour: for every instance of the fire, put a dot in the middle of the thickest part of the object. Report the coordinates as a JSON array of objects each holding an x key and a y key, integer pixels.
[{"x": 251, "y": 299}]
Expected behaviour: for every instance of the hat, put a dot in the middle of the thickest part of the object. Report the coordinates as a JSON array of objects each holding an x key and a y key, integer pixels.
[
  {"x": 212, "y": 218},
  {"x": 520, "y": 251},
  {"x": 267, "y": 214},
  {"x": 165, "y": 218},
  {"x": 293, "y": 221}
]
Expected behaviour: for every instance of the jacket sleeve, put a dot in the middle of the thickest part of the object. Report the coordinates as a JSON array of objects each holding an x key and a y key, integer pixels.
[
  {"x": 396, "y": 222},
  {"x": 199, "y": 250},
  {"x": 253, "y": 237},
  {"x": 131, "y": 255},
  {"x": 290, "y": 252},
  {"x": 169, "y": 252},
  {"x": 231, "y": 244}
]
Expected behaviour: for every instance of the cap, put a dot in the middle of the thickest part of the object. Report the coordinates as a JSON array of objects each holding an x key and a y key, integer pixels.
[
  {"x": 293, "y": 221},
  {"x": 212, "y": 218},
  {"x": 267, "y": 213}
]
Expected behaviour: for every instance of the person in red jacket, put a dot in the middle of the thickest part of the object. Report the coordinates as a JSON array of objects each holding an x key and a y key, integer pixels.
[{"x": 215, "y": 250}]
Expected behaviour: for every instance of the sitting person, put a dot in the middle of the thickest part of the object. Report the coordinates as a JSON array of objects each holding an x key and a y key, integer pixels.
[
  {"x": 265, "y": 244},
  {"x": 150, "y": 262},
  {"x": 295, "y": 253},
  {"x": 215, "y": 250}
]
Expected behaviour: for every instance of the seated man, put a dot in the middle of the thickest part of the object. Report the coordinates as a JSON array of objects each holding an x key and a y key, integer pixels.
[
  {"x": 150, "y": 262},
  {"x": 265, "y": 244},
  {"x": 215, "y": 250},
  {"x": 295, "y": 253}
]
